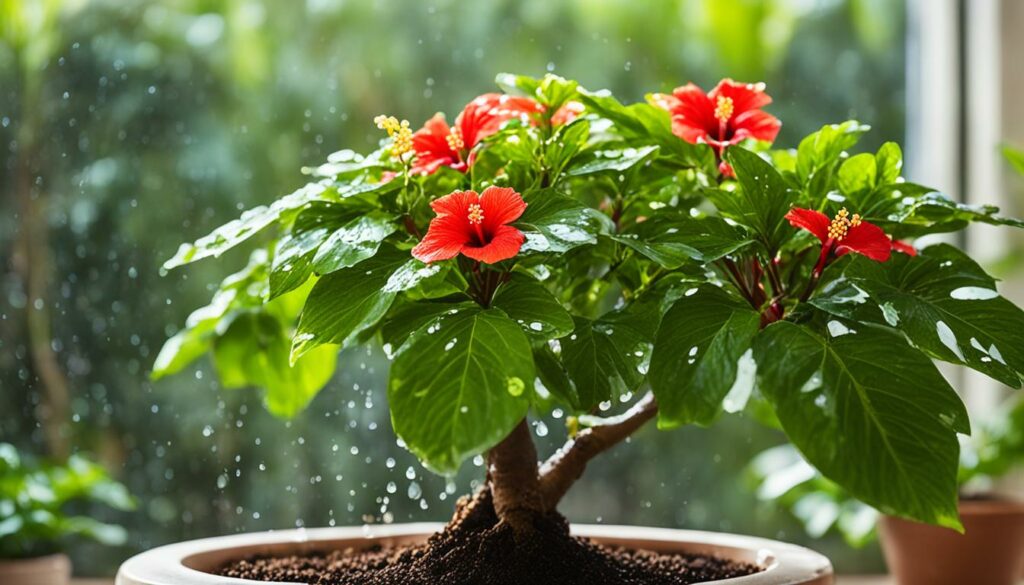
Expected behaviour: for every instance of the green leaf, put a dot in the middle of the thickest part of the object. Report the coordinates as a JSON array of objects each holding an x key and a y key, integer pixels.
[
  {"x": 615, "y": 161},
  {"x": 605, "y": 358},
  {"x": 255, "y": 352},
  {"x": 1015, "y": 156},
  {"x": 251, "y": 222},
  {"x": 672, "y": 239},
  {"x": 869, "y": 412},
  {"x": 934, "y": 212},
  {"x": 406, "y": 319},
  {"x": 358, "y": 240},
  {"x": 344, "y": 303},
  {"x": 889, "y": 163},
  {"x": 244, "y": 290},
  {"x": 568, "y": 141},
  {"x": 551, "y": 90},
  {"x": 762, "y": 201},
  {"x": 702, "y": 361},
  {"x": 819, "y": 151},
  {"x": 555, "y": 223},
  {"x": 178, "y": 351},
  {"x": 554, "y": 378},
  {"x": 943, "y": 301},
  {"x": 645, "y": 124},
  {"x": 533, "y": 307},
  {"x": 857, "y": 177},
  {"x": 293, "y": 257},
  {"x": 460, "y": 386}
]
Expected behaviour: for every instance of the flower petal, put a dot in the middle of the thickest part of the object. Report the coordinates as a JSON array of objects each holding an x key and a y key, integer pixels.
[
  {"x": 445, "y": 238},
  {"x": 744, "y": 96},
  {"x": 432, "y": 148},
  {"x": 693, "y": 118},
  {"x": 501, "y": 205},
  {"x": 813, "y": 221},
  {"x": 484, "y": 115},
  {"x": 505, "y": 243},
  {"x": 455, "y": 204},
  {"x": 867, "y": 239},
  {"x": 665, "y": 101},
  {"x": 567, "y": 113},
  {"x": 756, "y": 124},
  {"x": 904, "y": 247}
]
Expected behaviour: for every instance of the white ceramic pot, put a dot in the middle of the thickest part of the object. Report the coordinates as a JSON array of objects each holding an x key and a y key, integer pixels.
[
  {"x": 48, "y": 570},
  {"x": 189, "y": 563}
]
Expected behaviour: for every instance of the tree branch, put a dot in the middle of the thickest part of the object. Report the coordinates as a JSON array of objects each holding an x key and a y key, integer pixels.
[{"x": 562, "y": 469}]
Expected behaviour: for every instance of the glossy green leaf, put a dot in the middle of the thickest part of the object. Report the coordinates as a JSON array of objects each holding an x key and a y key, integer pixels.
[
  {"x": 554, "y": 378},
  {"x": 869, "y": 412},
  {"x": 934, "y": 212},
  {"x": 607, "y": 357},
  {"x": 356, "y": 241},
  {"x": 567, "y": 142},
  {"x": 251, "y": 222},
  {"x": 345, "y": 302},
  {"x": 254, "y": 351},
  {"x": 555, "y": 223},
  {"x": 889, "y": 163},
  {"x": 672, "y": 239},
  {"x": 404, "y": 320},
  {"x": 533, "y": 307},
  {"x": 943, "y": 301},
  {"x": 645, "y": 124},
  {"x": 822, "y": 149},
  {"x": 702, "y": 361},
  {"x": 857, "y": 177},
  {"x": 614, "y": 161},
  {"x": 762, "y": 201},
  {"x": 460, "y": 386}
]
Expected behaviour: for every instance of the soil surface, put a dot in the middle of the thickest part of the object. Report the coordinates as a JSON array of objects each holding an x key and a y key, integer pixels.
[{"x": 476, "y": 549}]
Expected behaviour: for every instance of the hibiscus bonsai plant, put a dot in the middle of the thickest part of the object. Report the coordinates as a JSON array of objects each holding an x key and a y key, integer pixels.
[{"x": 555, "y": 247}]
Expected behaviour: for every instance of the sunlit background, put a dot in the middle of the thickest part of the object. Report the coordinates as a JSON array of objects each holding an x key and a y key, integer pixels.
[{"x": 130, "y": 126}]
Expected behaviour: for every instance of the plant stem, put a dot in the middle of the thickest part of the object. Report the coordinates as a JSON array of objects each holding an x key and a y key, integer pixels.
[
  {"x": 562, "y": 469},
  {"x": 738, "y": 280},
  {"x": 514, "y": 479}
]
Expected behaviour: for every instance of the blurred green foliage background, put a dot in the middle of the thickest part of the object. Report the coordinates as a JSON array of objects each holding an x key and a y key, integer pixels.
[{"x": 129, "y": 126}]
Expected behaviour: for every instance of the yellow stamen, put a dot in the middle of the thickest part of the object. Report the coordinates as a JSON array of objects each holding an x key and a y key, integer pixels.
[
  {"x": 476, "y": 213},
  {"x": 723, "y": 109},
  {"x": 400, "y": 133},
  {"x": 455, "y": 140},
  {"x": 842, "y": 223}
]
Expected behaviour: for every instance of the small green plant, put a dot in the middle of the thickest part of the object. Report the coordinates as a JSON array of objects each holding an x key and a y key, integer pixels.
[{"x": 34, "y": 501}]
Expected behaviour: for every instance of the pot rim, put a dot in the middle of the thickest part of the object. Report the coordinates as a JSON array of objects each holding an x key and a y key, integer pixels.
[
  {"x": 1001, "y": 505},
  {"x": 178, "y": 564}
]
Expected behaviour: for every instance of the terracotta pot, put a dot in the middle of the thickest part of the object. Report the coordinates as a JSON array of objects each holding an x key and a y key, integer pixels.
[
  {"x": 189, "y": 563},
  {"x": 990, "y": 552},
  {"x": 49, "y": 570}
]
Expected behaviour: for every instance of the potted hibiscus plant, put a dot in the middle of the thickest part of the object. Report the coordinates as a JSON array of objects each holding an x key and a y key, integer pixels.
[{"x": 555, "y": 247}]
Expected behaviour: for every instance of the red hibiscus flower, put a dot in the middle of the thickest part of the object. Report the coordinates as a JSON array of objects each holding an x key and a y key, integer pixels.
[
  {"x": 474, "y": 225},
  {"x": 567, "y": 113},
  {"x": 842, "y": 235},
  {"x": 437, "y": 144},
  {"x": 727, "y": 115}
]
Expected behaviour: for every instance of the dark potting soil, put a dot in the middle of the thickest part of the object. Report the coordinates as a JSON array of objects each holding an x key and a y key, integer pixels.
[{"x": 475, "y": 549}]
